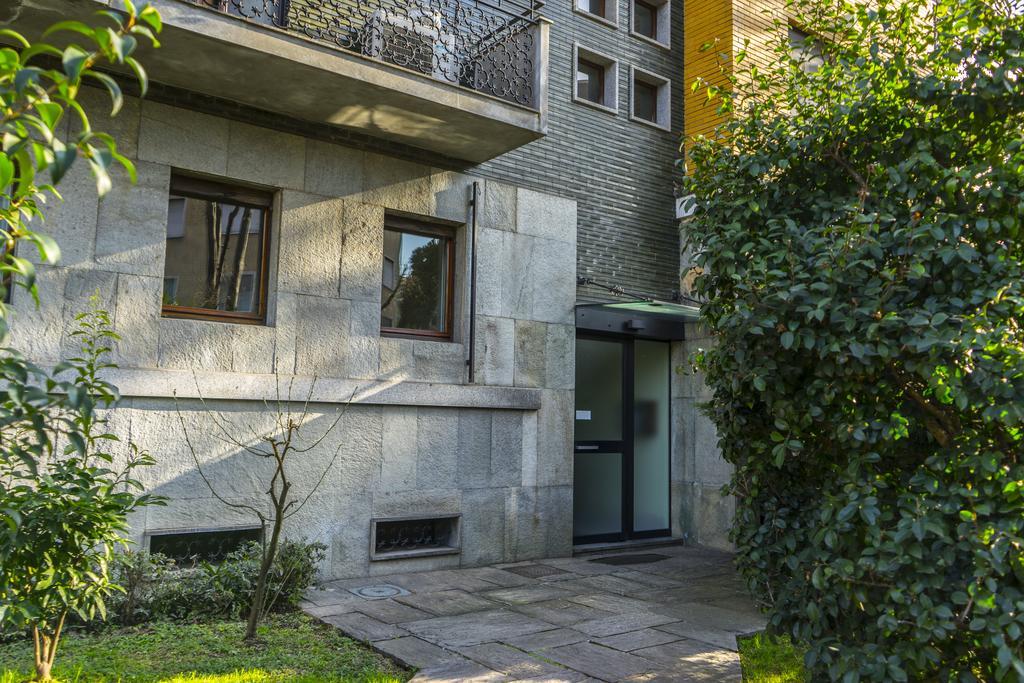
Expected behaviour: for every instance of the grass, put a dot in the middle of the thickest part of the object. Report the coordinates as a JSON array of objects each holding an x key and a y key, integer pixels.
[
  {"x": 293, "y": 649},
  {"x": 771, "y": 660}
]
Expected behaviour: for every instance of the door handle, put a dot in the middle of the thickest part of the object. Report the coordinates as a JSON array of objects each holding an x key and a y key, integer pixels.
[{"x": 588, "y": 448}]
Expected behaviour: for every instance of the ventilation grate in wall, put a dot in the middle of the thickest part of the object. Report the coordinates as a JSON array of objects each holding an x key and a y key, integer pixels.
[{"x": 398, "y": 537}]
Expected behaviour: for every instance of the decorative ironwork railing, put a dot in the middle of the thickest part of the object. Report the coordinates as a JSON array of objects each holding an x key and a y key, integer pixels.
[{"x": 489, "y": 46}]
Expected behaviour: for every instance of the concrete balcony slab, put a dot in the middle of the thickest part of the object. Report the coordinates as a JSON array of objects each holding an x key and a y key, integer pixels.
[{"x": 283, "y": 71}]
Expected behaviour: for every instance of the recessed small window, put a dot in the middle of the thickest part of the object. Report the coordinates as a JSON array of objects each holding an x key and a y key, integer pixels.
[
  {"x": 595, "y": 79},
  {"x": 605, "y": 11},
  {"x": 650, "y": 99},
  {"x": 650, "y": 20},
  {"x": 417, "y": 282},
  {"x": 645, "y": 101},
  {"x": 217, "y": 244},
  {"x": 805, "y": 49},
  {"x": 590, "y": 81},
  {"x": 645, "y": 19}
]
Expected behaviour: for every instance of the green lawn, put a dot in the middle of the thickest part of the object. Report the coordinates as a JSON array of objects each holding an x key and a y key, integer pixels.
[
  {"x": 294, "y": 649},
  {"x": 771, "y": 660}
]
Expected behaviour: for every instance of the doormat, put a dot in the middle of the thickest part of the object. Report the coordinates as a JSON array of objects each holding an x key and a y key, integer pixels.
[
  {"x": 643, "y": 558},
  {"x": 535, "y": 571}
]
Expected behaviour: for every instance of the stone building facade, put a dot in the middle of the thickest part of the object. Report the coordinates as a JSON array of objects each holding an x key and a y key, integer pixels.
[{"x": 462, "y": 442}]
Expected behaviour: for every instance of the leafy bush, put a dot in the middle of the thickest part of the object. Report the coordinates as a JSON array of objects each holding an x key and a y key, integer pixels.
[
  {"x": 863, "y": 268},
  {"x": 65, "y": 493},
  {"x": 156, "y": 589}
]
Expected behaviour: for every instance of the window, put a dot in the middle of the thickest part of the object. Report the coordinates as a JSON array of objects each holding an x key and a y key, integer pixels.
[
  {"x": 645, "y": 101},
  {"x": 604, "y": 11},
  {"x": 589, "y": 81},
  {"x": 417, "y": 283},
  {"x": 645, "y": 19},
  {"x": 805, "y": 49},
  {"x": 211, "y": 546},
  {"x": 217, "y": 244},
  {"x": 650, "y": 21},
  {"x": 595, "y": 79},
  {"x": 650, "y": 100}
]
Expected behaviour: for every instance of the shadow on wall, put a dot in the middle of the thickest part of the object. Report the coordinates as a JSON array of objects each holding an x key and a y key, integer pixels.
[{"x": 336, "y": 514}]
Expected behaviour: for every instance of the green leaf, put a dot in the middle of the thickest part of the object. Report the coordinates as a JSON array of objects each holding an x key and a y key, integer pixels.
[
  {"x": 6, "y": 174},
  {"x": 74, "y": 60}
]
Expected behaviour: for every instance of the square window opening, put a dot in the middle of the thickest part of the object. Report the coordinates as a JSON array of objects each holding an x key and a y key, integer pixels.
[
  {"x": 595, "y": 79},
  {"x": 417, "y": 279},
  {"x": 590, "y": 81},
  {"x": 645, "y": 19},
  {"x": 645, "y": 101},
  {"x": 650, "y": 20},
  {"x": 603, "y": 11},
  {"x": 650, "y": 99},
  {"x": 217, "y": 242}
]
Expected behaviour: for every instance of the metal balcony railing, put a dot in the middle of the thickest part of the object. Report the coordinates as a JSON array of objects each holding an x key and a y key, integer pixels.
[{"x": 490, "y": 47}]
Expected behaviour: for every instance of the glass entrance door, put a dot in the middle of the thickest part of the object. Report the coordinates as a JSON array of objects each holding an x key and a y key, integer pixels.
[{"x": 621, "y": 480}]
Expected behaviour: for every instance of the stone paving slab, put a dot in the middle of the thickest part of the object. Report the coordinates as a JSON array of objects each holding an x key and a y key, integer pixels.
[
  {"x": 522, "y": 595},
  {"x": 391, "y": 611},
  {"x": 600, "y": 662},
  {"x": 362, "y": 627},
  {"x": 538, "y": 642},
  {"x": 622, "y": 623},
  {"x": 636, "y": 640},
  {"x": 474, "y": 628},
  {"x": 512, "y": 662},
  {"x": 672, "y": 620},
  {"x": 561, "y": 612},
  {"x": 448, "y": 603}
]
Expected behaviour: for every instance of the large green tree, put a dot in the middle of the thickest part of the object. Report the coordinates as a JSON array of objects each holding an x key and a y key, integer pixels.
[
  {"x": 39, "y": 84},
  {"x": 859, "y": 234},
  {"x": 64, "y": 496}
]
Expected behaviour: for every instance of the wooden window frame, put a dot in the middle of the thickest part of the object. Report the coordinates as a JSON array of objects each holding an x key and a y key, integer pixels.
[
  {"x": 238, "y": 195},
  {"x": 423, "y": 229}
]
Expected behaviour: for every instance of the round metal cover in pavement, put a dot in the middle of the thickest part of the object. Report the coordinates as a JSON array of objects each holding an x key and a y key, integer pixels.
[{"x": 380, "y": 591}]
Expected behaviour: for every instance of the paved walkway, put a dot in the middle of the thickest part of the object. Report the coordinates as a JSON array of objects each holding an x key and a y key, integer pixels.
[{"x": 663, "y": 614}]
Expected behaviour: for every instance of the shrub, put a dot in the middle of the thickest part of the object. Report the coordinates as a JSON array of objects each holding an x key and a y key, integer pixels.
[
  {"x": 66, "y": 494},
  {"x": 863, "y": 270},
  {"x": 156, "y": 589}
]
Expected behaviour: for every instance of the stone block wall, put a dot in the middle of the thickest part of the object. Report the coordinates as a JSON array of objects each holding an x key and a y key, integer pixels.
[
  {"x": 701, "y": 513},
  {"x": 417, "y": 438}
]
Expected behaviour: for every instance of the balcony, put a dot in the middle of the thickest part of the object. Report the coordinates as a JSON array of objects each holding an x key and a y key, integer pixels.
[{"x": 462, "y": 78}]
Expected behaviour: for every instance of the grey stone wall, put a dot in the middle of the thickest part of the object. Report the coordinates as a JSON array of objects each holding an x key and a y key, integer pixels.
[
  {"x": 701, "y": 513},
  {"x": 620, "y": 172},
  {"x": 411, "y": 443}
]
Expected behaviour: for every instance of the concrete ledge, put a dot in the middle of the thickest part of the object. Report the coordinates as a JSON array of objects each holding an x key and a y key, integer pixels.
[
  {"x": 279, "y": 71},
  {"x": 251, "y": 387}
]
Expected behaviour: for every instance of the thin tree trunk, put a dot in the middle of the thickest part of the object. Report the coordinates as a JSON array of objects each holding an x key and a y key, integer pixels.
[
  {"x": 256, "y": 608},
  {"x": 45, "y": 649},
  {"x": 224, "y": 247},
  {"x": 212, "y": 246},
  {"x": 243, "y": 244}
]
